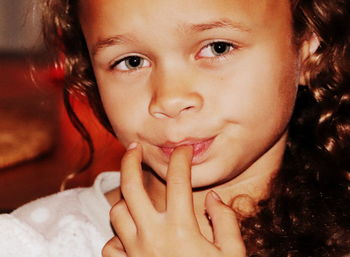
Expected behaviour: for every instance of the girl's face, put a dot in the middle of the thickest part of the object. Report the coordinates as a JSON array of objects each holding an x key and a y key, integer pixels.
[{"x": 221, "y": 75}]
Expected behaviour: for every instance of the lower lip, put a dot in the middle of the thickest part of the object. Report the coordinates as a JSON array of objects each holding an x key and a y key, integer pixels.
[{"x": 199, "y": 149}]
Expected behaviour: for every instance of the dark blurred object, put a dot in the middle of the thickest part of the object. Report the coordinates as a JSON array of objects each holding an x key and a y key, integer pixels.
[
  {"x": 27, "y": 128},
  {"x": 34, "y": 109},
  {"x": 20, "y": 28},
  {"x": 38, "y": 145}
]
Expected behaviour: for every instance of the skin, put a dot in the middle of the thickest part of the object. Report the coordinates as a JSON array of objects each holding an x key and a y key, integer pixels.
[
  {"x": 243, "y": 99},
  {"x": 144, "y": 231}
]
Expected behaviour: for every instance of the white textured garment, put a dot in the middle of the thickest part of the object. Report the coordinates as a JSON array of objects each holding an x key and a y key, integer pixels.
[{"x": 73, "y": 223}]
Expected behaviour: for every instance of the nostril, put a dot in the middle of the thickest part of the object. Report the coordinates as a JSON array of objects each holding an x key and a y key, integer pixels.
[
  {"x": 172, "y": 114},
  {"x": 159, "y": 115},
  {"x": 172, "y": 106},
  {"x": 187, "y": 109}
]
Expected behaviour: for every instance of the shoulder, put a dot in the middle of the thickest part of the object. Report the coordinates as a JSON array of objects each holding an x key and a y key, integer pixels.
[
  {"x": 81, "y": 203},
  {"x": 44, "y": 214},
  {"x": 63, "y": 223},
  {"x": 74, "y": 222},
  {"x": 17, "y": 238}
]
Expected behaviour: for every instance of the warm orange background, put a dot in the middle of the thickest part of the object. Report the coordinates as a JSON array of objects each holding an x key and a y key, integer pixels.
[{"x": 30, "y": 180}]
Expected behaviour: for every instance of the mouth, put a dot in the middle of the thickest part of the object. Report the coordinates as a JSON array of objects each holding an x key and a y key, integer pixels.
[{"x": 200, "y": 147}]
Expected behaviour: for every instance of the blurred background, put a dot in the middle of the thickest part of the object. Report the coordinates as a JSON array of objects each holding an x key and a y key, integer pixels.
[{"x": 38, "y": 145}]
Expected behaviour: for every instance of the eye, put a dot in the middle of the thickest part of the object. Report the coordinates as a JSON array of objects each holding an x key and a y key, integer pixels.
[
  {"x": 131, "y": 63},
  {"x": 216, "y": 49}
]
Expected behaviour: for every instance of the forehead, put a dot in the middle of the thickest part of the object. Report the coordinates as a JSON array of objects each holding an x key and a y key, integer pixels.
[{"x": 103, "y": 17}]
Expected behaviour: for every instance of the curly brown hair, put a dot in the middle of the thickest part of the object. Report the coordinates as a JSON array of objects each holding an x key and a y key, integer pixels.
[{"x": 308, "y": 210}]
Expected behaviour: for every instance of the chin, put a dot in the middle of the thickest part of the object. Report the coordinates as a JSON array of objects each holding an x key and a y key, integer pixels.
[{"x": 206, "y": 177}]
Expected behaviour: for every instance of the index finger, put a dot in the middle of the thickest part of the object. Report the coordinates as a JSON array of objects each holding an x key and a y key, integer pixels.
[
  {"x": 179, "y": 187},
  {"x": 135, "y": 195}
]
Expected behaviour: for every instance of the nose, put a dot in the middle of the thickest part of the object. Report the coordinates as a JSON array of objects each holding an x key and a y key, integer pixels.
[{"x": 173, "y": 98}]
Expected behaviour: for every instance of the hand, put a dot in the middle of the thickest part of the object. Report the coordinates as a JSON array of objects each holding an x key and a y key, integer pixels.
[{"x": 145, "y": 232}]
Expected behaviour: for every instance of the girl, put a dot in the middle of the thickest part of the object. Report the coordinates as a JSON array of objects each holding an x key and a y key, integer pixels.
[{"x": 243, "y": 100}]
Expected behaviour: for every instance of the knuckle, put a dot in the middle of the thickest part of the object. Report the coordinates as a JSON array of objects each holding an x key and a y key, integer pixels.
[
  {"x": 117, "y": 208},
  {"x": 225, "y": 212},
  {"x": 182, "y": 231},
  {"x": 150, "y": 232},
  {"x": 177, "y": 183},
  {"x": 146, "y": 235},
  {"x": 124, "y": 161},
  {"x": 176, "y": 180},
  {"x": 129, "y": 187},
  {"x": 127, "y": 160}
]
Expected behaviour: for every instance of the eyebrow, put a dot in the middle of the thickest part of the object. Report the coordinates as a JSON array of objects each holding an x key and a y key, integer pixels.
[
  {"x": 111, "y": 41},
  {"x": 222, "y": 23},
  {"x": 185, "y": 28}
]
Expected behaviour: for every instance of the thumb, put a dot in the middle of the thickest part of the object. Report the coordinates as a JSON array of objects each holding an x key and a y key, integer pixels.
[{"x": 227, "y": 235}]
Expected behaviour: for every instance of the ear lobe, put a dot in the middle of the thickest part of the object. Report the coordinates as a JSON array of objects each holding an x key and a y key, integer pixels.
[{"x": 307, "y": 51}]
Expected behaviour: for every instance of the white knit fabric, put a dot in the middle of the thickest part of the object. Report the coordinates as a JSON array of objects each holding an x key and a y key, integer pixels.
[{"x": 74, "y": 223}]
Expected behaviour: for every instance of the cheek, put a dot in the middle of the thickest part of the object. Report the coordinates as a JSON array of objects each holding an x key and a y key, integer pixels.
[
  {"x": 260, "y": 89},
  {"x": 126, "y": 111}
]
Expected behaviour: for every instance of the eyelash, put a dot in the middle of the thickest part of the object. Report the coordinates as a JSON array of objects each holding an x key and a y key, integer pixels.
[
  {"x": 116, "y": 63},
  {"x": 211, "y": 58},
  {"x": 219, "y": 56}
]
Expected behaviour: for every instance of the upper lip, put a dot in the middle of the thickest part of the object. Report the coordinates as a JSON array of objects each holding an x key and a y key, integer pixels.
[{"x": 187, "y": 141}]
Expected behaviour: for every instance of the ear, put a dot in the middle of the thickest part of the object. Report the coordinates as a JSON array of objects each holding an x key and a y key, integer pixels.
[{"x": 306, "y": 52}]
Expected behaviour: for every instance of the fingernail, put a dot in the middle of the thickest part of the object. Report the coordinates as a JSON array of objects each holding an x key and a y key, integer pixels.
[
  {"x": 215, "y": 196},
  {"x": 132, "y": 146}
]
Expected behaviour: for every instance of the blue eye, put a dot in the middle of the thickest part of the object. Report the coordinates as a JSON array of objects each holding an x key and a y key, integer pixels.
[
  {"x": 131, "y": 63},
  {"x": 216, "y": 49}
]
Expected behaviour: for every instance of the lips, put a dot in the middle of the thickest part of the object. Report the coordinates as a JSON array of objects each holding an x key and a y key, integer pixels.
[{"x": 200, "y": 147}]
